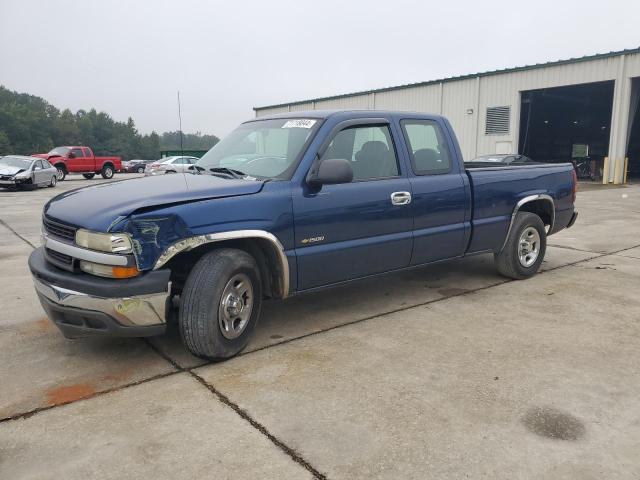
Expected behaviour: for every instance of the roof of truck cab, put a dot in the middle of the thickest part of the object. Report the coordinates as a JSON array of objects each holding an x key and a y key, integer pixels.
[{"x": 344, "y": 113}]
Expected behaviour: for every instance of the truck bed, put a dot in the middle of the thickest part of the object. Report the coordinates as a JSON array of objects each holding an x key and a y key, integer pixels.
[{"x": 495, "y": 189}]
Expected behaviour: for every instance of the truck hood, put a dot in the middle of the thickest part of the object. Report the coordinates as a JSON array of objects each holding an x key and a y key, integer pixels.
[
  {"x": 98, "y": 207},
  {"x": 46, "y": 156}
]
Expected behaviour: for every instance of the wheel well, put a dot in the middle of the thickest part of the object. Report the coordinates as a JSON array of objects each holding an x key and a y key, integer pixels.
[
  {"x": 540, "y": 207},
  {"x": 61, "y": 166},
  {"x": 260, "y": 249},
  {"x": 108, "y": 164}
]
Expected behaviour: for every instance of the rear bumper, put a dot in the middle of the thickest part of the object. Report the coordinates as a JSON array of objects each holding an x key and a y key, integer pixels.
[{"x": 82, "y": 305}]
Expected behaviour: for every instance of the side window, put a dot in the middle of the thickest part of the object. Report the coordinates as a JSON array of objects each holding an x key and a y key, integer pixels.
[
  {"x": 193, "y": 160},
  {"x": 370, "y": 150},
  {"x": 87, "y": 152},
  {"x": 77, "y": 152},
  {"x": 428, "y": 147},
  {"x": 45, "y": 164},
  {"x": 37, "y": 165},
  {"x": 179, "y": 161}
]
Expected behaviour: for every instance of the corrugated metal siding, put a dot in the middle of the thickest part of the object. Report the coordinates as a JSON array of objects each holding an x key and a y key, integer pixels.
[
  {"x": 358, "y": 102},
  {"x": 271, "y": 111},
  {"x": 415, "y": 99},
  {"x": 456, "y": 97},
  {"x": 301, "y": 107}
]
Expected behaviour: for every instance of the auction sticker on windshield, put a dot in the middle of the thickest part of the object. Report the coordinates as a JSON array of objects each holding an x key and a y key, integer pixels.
[{"x": 299, "y": 123}]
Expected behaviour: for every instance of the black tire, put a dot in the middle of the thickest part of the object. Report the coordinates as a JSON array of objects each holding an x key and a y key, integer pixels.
[
  {"x": 140, "y": 170},
  {"x": 88, "y": 176},
  {"x": 200, "y": 303},
  {"x": 170, "y": 171},
  {"x": 509, "y": 262},
  {"x": 53, "y": 182},
  {"x": 62, "y": 173},
  {"x": 107, "y": 172}
]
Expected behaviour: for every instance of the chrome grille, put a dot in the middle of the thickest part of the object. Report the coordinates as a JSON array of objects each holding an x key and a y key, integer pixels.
[{"x": 60, "y": 230}]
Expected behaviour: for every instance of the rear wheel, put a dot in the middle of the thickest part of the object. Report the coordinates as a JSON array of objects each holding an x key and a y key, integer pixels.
[
  {"x": 220, "y": 304},
  {"x": 61, "y": 173},
  {"x": 88, "y": 176},
  {"x": 140, "y": 169},
  {"x": 107, "y": 172},
  {"x": 524, "y": 250},
  {"x": 53, "y": 181}
]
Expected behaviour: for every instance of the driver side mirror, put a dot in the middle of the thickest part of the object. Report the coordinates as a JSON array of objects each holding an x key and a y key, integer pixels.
[{"x": 330, "y": 172}]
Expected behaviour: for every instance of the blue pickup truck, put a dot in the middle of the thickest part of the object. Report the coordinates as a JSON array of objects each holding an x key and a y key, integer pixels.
[{"x": 286, "y": 204}]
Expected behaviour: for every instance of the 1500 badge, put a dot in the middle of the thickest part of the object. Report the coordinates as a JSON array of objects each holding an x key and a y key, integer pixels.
[{"x": 305, "y": 241}]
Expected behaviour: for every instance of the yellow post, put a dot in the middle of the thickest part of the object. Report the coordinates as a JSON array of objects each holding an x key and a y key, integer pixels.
[
  {"x": 617, "y": 173},
  {"x": 605, "y": 171},
  {"x": 626, "y": 169}
]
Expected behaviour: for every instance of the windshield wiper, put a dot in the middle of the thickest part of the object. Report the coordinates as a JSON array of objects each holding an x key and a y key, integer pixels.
[{"x": 229, "y": 171}]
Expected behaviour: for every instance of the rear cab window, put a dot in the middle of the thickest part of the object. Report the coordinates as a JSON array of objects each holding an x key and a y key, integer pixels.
[{"x": 428, "y": 148}]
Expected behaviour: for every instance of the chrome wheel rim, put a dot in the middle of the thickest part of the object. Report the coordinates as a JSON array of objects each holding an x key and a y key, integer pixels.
[
  {"x": 529, "y": 247},
  {"x": 108, "y": 172},
  {"x": 53, "y": 181},
  {"x": 236, "y": 305},
  {"x": 59, "y": 174}
]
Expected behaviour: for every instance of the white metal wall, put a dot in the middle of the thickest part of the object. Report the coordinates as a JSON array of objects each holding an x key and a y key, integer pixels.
[{"x": 465, "y": 101}]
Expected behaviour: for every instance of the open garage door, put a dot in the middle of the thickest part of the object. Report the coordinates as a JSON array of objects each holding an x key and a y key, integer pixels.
[
  {"x": 633, "y": 139},
  {"x": 565, "y": 124}
]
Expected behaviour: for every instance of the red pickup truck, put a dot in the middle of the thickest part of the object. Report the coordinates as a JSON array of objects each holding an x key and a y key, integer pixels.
[{"x": 74, "y": 159}]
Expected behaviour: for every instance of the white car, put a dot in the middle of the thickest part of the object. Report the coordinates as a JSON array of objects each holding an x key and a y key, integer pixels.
[
  {"x": 177, "y": 164},
  {"x": 17, "y": 171}
]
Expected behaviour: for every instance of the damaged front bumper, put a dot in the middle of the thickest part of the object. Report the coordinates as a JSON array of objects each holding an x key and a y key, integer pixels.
[{"x": 82, "y": 305}]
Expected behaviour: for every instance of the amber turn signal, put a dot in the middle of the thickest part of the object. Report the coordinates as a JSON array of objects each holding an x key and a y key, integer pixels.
[{"x": 125, "y": 272}]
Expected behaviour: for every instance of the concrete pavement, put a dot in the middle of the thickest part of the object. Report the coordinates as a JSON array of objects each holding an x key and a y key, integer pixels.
[{"x": 440, "y": 372}]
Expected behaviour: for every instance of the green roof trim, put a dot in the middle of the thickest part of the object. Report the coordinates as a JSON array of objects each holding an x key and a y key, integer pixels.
[{"x": 586, "y": 58}]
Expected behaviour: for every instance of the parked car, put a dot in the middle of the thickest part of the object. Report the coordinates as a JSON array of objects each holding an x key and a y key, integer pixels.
[
  {"x": 179, "y": 164},
  {"x": 135, "y": 166},
  {"x": 506, "y": 158},
  {"x": 287, "y": 204},
  {"x": 81, "y": 160},
  {"x": 19, "y": 171}
]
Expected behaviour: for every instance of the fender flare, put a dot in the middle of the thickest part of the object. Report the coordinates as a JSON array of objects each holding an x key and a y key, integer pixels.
[
  {"x": 524, "y": 201},
  {"x": 190, "y": 243}
]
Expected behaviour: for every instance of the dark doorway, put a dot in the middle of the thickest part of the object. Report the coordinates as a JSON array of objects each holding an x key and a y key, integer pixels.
[
  {"x": 565, "y": 124},
  {"x": 633, "y": 140}
]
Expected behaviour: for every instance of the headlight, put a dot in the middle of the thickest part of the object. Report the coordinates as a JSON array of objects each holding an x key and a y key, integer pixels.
[
  {"x": 104, "y": 242},
  {"x": 108, "y": 270}
]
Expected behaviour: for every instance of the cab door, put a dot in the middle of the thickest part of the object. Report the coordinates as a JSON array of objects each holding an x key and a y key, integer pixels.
[
  {"x": 441, "y": 195},
  {"x": 355, "y": 229},
  {"x": 79, "y": 162}
]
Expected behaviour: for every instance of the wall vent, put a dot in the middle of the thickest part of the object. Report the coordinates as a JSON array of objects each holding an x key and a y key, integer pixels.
[{"x": 497, "y": 121}]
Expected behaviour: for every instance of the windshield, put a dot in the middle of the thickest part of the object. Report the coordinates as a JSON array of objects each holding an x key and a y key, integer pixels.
[
  {"x": 15, "y": 162},
  {"x": 62, "y": 151},
  {"x": 261, "y": 149}
]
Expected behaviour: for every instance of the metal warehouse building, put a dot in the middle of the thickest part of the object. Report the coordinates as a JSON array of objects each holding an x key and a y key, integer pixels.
[{"x": 581, "y": 109}]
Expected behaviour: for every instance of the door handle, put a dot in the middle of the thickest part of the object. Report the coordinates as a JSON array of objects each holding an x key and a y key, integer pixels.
[{"x": 400, "y": 198}]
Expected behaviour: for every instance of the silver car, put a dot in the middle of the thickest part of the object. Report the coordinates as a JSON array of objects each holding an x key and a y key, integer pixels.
[
  {"x": 178, "y": 164},
  {"x": 18, "y": 171}
]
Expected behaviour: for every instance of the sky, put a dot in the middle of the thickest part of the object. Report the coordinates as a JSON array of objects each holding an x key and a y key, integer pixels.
[{"x": 130, "y": 57}]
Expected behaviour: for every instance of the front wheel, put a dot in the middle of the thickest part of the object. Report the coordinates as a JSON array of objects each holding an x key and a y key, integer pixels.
[
  {"x": 88, "y": 176},
  {"x": 61, "y": 174},
  {"x": 107, "y": 172},
  {"x": 220, "y": 304},
  {"x": 524, "y": 250},
  {"x": 140, "y": 169}
]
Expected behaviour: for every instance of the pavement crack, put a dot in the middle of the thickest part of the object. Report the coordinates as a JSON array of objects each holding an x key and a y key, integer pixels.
[
  {"x": 31, "y": 413},
  {"x": 295, "y": 456},
  {"x": 10, "y": 228},
  {"x": 573, "y": 248}
]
